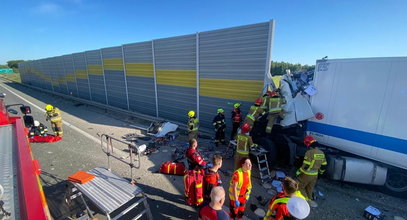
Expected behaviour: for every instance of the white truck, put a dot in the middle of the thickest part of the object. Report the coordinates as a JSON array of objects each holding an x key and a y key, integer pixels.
[{"x": 361, "y": 109}]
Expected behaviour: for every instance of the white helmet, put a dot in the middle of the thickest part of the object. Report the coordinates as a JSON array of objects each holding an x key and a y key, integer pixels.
[
  {"x": 36, "y": 123},
  {"x": 298, "y": 207}
]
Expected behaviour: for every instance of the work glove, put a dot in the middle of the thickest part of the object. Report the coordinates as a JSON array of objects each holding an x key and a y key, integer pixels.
[
  {"x": 321, "y": 172},
  {"x": 237, "y": 203},
  {"x": 298, "y": 173},
  {"x": 46, "y": 119},
  {"x": 208, "y": 165},
  {"x": 55, "y": 114}
]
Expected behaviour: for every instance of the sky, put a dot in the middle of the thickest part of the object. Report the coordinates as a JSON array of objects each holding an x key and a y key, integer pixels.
[{"x": 305, "y": 30}]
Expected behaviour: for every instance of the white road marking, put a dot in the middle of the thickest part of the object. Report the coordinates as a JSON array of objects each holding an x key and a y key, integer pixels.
[{"x": 64, "y": 122}]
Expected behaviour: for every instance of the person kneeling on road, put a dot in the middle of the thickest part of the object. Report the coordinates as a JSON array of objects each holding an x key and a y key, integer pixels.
[
  {"x": 214, "y": 211},
  {"x": 38, "y": 129}
]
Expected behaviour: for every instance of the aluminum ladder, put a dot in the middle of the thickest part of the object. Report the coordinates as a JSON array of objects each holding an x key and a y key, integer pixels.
[{"x": 262, "y": 163}]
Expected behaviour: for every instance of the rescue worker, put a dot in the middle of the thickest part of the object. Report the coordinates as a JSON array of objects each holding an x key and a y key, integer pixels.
[
  {"x": 214, "y": 211},
  {"x": 243, "y": 144},
  {"x": 236, "y": 120},
  {"x": 220, "y": 126},
  {"x": 211, "y": 177},
  {"x": 254, "y": 112},
  {"x": 54, "y": 115},
  {"x": 273, "y": 106},
  {"x": 193, "y": 156},
  {"x": 38, "y": 129},
  {"x": 192, "y": 125},
  {"x": 277, "y": 208},
  {"x": 240, "y": 188},
  {"x": 314, "y": 163}
]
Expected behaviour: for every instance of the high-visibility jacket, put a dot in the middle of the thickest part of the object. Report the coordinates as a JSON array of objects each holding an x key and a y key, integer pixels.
[
  {"x": 314, "y": 162},
  {"x": 54, "y": 115},
  {"x": 281, "y": 198},
  {"x": 239, "y": 186},
  {"x": 193, "y": 124},
  {"x": 236, "y": 115},
  {"x": 219, "y": 121},
  {"x": 254, "y": 112},
  {"x": 244, "y": 143},
  {"x": 274, "y": 105}
]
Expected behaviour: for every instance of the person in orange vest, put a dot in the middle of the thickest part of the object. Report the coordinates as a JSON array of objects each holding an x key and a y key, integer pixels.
[
  {"x": 277, "y": 208},
  {"x": 314, "y": 163},
  {"x": 240, "y": 188},
  {"x": 254, "y": 112},
  {"x": 243, "y": 144},
  {"x": 236, "y": 120},
  {"x": 212, "y": 177},
  {"x": 193, "y": 156},
  {"x": 272, "y": 103}
]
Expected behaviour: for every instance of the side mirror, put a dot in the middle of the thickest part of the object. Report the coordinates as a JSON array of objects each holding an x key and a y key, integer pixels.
[
  {"x": 25, "y": 109},
  {"x": 12, "y": 111}
]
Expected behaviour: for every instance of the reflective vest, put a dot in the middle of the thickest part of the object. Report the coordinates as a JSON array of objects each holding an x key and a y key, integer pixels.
[
  {"x": 219, "y": 121},
  {"x": 54, "y": 115},
  {"x": 236, "y": 115},
  {"x": 243, "y": 144},
  {"x": 282, "y": 200},
  {"x": 275, "y": 105},
  {"x": 239, "y": 185},
  {"x": 254, "y": 112},
  {"x": 192, "y": 124},
  {"x": 314, "y": 159}
]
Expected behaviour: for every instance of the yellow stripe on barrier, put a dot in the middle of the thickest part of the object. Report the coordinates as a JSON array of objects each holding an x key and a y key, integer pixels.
[
  {"x": 185, "y": 78},
  {"x": 140, "y": 69},
  {"x": 113, "y": 64},
  {"x": 70, "y": 77},
  {"x": 95, "y": 69},
  {"x": 81, "y": 74},
  {"x": 247, "y": 90}
]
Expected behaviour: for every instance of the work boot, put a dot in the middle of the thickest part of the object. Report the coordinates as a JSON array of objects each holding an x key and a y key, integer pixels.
[{"x": 312, "y": 203}]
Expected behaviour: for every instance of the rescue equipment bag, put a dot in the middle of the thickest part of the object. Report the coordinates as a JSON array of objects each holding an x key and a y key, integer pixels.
[
  {"x": 193, "y": 187},
  {"x": 175, "y": 168}
]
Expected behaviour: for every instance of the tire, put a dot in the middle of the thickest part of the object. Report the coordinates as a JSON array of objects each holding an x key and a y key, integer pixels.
[{"x": 396, "y": 182}]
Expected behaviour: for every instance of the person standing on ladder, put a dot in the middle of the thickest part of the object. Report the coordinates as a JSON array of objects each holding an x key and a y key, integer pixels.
[
  {"x": 54, "y": 115},
  {"x": 192, "y": 126},
  {"x": 220, "y": 127},
  {"x": 236, "y": 120},
  {"x": 243, "y": 144},
  {"x": 273, "y": 103},
  {"x": 254, "y": 112},
  {"x": 314, "y": 163}
]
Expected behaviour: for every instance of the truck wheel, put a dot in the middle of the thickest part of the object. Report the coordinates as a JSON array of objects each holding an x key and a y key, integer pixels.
[{"x": 396, "y": 182}]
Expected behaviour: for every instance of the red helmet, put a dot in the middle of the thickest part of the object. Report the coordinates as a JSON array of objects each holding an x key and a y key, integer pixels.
[
  {"x": 245, "y": 128},
  {"x": 259, "y": 101},
  {"x": 308, "y": 140},
  {"x": 271, "y": 93}
]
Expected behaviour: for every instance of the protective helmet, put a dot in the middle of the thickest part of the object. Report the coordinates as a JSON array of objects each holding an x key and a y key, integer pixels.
[
  {"x": 49, "y": 108},
  {"x": 271, "y": 93},
  {"x": 36, "y": 123},
  {"x": 236, "y": 105},
  {"x": 191, "y": 114},
  {"x": 245, "y": 128},
  {"x": 298, "y": 207},
  {"x": 220, "y": 110},
  {"x": 259, "y": 101},
  {"x": 308, "y": 140}
]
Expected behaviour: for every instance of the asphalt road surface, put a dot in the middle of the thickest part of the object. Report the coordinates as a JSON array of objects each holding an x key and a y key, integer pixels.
[{"x": 80, "y": 150}]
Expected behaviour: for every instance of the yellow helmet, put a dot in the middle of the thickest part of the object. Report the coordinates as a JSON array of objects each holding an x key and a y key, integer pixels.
[
  {"x": 49, "y": 108},
  {"x": 191, "y": 114}
]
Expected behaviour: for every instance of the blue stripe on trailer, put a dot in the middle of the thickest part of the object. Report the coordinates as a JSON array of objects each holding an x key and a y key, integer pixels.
[{"x": 376, "y": 140}]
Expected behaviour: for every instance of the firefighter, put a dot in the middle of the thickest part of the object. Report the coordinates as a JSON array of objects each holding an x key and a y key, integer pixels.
[
  {"x": 240, "y": 188},
  {"x": 236, "y": 120},
  {"x": 192, "y": 125},
  {"x": 220, "y": 126},
  {"x": 38, "y": 129},
  {"x": 274, "y": 102},
  {"x": 314, "y": 163},
  {"x": 54, "y": 115},
  {"x": 211, "y": 177},
  {"x": 254, "y": 112},
  {"x": 193, "y": 156},
  {"x": 243, "y": 144},
  {"x": 277, "y": 208}
]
